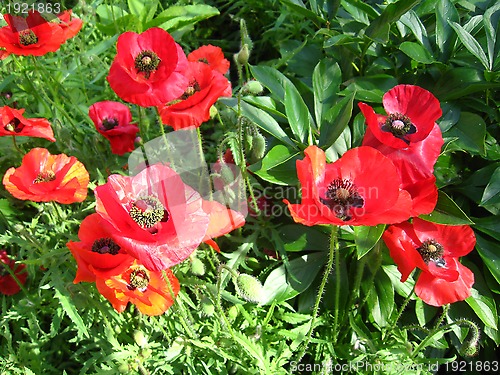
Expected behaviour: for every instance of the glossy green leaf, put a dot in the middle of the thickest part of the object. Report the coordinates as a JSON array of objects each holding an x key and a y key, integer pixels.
[
  {"x": 491, "y": 195},
  {"x": 468, "y": 134},
  {"x": 411, "y": 20},
  {"x": 489, "y": 225},
  {"x": 417, "y": 52},
  {"x": 176, "y": 17},
  {"x": 273, "y": 79},
  {"x": 297, "y": 113},
  {"x": 445, "y": 12},
  {"x": 303, "y": 11},
  {"x": 367, "y": 237},
  {"x": 379, "y": 28},
  {"x": 371, "y": 88},
  {"x": 488, "y": 251},
  {"x": 326, "y": 80},
  {"x": 380, "y": 300},
  {"x": 470, "y": 43},
  {"x": 266, "y": 122},
  {"x": 403, "y": 289},
  {"x": 336, "y": 120},
  {"x": 297, "y": 237},
  {"x": 447, "y": 212},
  {"x": 491, "y": 21},
  {"x": 359, "y": 10},
  {"x": 278, "y": 166}
]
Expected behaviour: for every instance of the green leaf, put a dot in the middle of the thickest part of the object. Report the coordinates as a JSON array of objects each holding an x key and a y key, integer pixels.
[
  {"x": 445, "y": 12},
  {"x": 303, "y": 11},
  {"x": 336, "y": 120},
  {"x": 297, "y": 237},
  {"x": 417, "y": 52},
  {"x": 403, "y": 289},
  {"x": 380, "y": 300},
  {"x": 367, "y": 237},
  {"x": 489, "y": 225},
  {"x": 278, "y": 166},
  {"x": 470, "y": 43},
  {"x": 297, "y": 113},
  {"x": 492, "y": 17},
  {"x": 326, "y": 80},
  {"x": 491, "y": 195},
  {"x": 136, "y": 7},
  {"x": 178, "y": 16},
  {"x": 447, "y": 212},
  {"x": 370, "y": 88},
  {"x": 70, "y": 309},
  {"x": 468, "y": 134},
  {"x": 273, "y": 79},
  {"x": 379, "y": 28},
  {"x": 360, "y": 11},
  {"x": 280, "y": 287},
  {"x": 411, "y": 20},
  {"x": 266, "y": 122},
  {"x": 488, "y": 251}
]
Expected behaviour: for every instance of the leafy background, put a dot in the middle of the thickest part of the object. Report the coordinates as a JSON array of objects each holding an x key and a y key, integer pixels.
[{"x": 316, "y": 61}]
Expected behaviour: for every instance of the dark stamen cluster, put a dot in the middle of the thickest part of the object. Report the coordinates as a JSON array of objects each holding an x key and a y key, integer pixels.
[
  {"x": 45, "y": 176},
  {"x": 147, "y": 211},
  {"x": 105, "y": 246},
  {"x": 139, "y": 279},
  {"x": 147, "y": 62},
  {"x": 341, "y": 195},
  {"x": 431, "y": 250},
  {"x": 399, "y": 125},
  {"x": 14, "y": 125},
  {"x": 27, "y": 37},
  {"x": 109, "y": 123},
  {"x": 192, "y": 89}
]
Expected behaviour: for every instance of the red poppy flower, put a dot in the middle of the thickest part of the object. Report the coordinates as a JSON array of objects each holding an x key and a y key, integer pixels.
[
  {"x": 96, "y": 249},
  {"x": 222, "y": 221},
  {"x": 160, "y": 219},
  {"x": 148, "y": 68},
  {"x": 211, "y": 55},
  {"x": 69, "y": 24},
  {"x": 148, "y": 290},
  {"x": 30, "y": 36},
  {"x": 361, "y": 188},
  {"x": 8, "y": 284},
  {"x": 14, "y": 123},
  {"x": 415, "y": 165},
  {"x": 43, "y": 177},
  {"x": 412, "y": 113},
  {"x": 113, "y": 121},
  {"x": 434, "y": 249},
  {"x": 205, "y": 87}
]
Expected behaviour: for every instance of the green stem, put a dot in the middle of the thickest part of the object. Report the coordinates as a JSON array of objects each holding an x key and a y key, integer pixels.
[
  {"x": 332, "y": 255},
  {"x": 16, "y": 146}
]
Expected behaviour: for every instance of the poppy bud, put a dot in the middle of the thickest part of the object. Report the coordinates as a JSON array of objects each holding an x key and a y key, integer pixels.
[
  {"x": 213, "y": 111},
  {"x": 249, "y": 288},
  {"x": 140, "y": 339},
  {"x": 232, "y": 313},
  {"x": 253, "y": 87},
  {"x": 259, "y": 146},
  {"x": 197, "y": 267},
  {"x": 124, "y": 368},
  {"x": 242, "y": 56},
  {"x": 207, "y": 307}
]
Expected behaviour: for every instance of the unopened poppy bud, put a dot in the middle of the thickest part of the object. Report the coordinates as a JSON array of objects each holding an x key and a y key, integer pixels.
[
  {"x": 470, "y": 350},
  {"x": 138, "y": 141},
  {"x": 254, "y": 87},
  {"x": 124, "y": 368},
  {"x": 197, "y": 267},
  {"x": 140, "y": 339},
  {"x": 207, "y": 307},
  {"x": 242, "y": 56},
  {"x": 232, "y": 313},
  {"x": 213, "y": 111},
  {"x": 259, "y": 147},
  {"x": 249, "y": 288}
]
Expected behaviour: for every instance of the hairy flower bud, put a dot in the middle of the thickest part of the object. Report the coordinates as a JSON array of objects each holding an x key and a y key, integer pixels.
[{"x": 249, "y": 288}]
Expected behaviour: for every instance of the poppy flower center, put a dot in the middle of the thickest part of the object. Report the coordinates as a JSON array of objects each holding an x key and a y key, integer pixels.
[
  {"x": 45, "y": 176},
  {"x": 340, "y": 196},
  {"x": 399, "y": 125},
  {"x": 431, "y": 250},
  {"x": 27, "y": 37},
  {"x": 14, "y": 125},
  {"x": 203, "y": 60},
  {"x": 105, "y": 246},
  {"x": 139, "y": 279},
  {"x": 192, "y": 89},
  {"x": 147, "y": 211},
  {"x": 109, "y": 123},
  {"x": 147, "y": 62}
]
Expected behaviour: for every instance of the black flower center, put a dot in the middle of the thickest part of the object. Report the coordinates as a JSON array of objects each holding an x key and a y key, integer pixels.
[
  {"x": 192, "y": 89},
  {"x": 45, "y": 176},
  {"x": 431, "y": 250},
  {"x": 147, "y": 62},
  {"x": 27, "y": 37},
  {"x": 203, "y": 60},
  {"x": 109, "y": 123},
  {"x": 147, "y": 211},
  {"x": 105, "y": 246},
  {"x": 340, "y": 196},
  {"x": 399, "y": 125},
  {"x": 139, "y": 279},
  {"x": 15, "y": 125}
]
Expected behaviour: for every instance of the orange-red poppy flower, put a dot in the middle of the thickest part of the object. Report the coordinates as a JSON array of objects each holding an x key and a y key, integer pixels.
[
  {"x": 148, "y": 290},
  {"x": 69, "y": 24},
  {"x": 43, "y": 177},
  {"x": 193, "y": 107},
  {"x": 211, "y": 55},
  {"x": 96, "y": 249},
  {"x": 361, "y": 188},
  {"x": 30, "y": 36},
  {"x": 8, "y": 285},
  {"x": 12, "y": 122}
]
